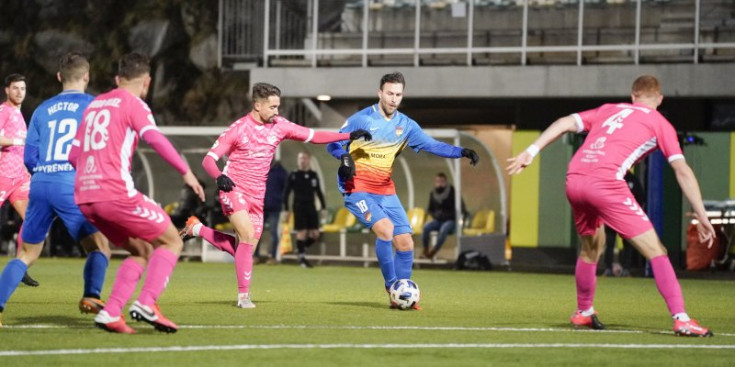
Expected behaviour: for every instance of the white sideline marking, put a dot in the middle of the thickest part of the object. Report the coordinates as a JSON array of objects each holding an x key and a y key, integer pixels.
[
  {"x": 198, "y": 348},
  {"x": 355, "y": 327}
]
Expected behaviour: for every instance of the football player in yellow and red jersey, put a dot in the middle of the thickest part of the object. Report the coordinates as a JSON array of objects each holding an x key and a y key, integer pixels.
[{"x": 365, "y": 174}]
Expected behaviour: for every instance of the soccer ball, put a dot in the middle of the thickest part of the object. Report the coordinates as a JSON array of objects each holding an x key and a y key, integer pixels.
[{"x": 404, "y": 294}]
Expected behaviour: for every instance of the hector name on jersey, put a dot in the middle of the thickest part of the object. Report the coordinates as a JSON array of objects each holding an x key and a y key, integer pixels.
[{"x": 53, "y": 127}]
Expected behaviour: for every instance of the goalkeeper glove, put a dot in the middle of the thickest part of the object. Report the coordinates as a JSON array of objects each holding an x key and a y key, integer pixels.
[
  {"x": 357, "y": 134},
  {"x": 472, "y": 155},
  {"x": 225, "y": 183}
]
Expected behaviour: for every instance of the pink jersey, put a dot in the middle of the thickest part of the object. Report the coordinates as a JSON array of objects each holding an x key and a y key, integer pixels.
[
  {"x": 250, "y": 147},
  {"x": 12, "y": 126},
  {"x": 619, "y": 136},
  {"x": 107, "y": 138}
]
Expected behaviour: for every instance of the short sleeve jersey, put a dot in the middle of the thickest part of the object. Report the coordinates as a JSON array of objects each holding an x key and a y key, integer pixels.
[
  {"x": 374, "y": 159},
  {"x": 52, "y": 128},
  {"x": 619, "y": 136},
  {"x": 250, "y": 146},
  {"x": 108, "y": 135},
  {"x": 12, "y": 126}
]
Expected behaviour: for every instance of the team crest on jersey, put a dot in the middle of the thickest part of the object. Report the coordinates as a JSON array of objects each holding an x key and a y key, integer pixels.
[
  {"x": 399, "y": 131},
  {"x": 245, "y": 139},
  {"x": 368, "y": 217},
  {"x": 272, "y": 139},
  {"x": 89, "y": 165},
  {"x": 598, "y": 144}
]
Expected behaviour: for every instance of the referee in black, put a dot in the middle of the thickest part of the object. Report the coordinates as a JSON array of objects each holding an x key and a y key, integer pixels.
[{"x": 305, "y": 184}]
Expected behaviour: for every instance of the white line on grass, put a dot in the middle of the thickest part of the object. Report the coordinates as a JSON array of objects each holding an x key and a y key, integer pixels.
[
  {"x": 395, "y": 327},
  {"x": 199, "y": 348},
  {"x": 398, "y": 327}
]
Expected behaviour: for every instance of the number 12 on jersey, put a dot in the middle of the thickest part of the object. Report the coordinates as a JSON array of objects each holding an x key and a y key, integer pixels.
[{"x": 59, "y": 146}]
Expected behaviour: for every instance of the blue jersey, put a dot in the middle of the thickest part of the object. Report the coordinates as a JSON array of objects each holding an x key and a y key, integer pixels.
[
  {"x": 50, "y": 133},
  {"x": 374, "y": 159}
]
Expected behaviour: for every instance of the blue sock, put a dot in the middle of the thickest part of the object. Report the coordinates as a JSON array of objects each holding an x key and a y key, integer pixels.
[
  {"x": 10, "y": 279},
  {"x": 384, "y": 251},
  {"x": 94, "y": 274},
  {"x": 404, "y": 264}
]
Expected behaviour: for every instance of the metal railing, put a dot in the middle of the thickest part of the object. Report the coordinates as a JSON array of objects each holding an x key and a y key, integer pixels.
[{"x": 673, "y": 31}]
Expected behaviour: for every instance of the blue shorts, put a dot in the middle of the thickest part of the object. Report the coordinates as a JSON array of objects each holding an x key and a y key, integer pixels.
[
  {"x": 46, "y": 202},
  {"x": 370, "y": 208}
]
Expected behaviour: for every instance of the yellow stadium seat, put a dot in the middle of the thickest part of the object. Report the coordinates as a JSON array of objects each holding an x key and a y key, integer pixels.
[
  {"x": 416, "y": 217},
  {"x": 170, "y": 207},
  {"x": 223, "y": 226},
  {"x": 342, "y": 220},
  {"x": 482, "y": 223}
]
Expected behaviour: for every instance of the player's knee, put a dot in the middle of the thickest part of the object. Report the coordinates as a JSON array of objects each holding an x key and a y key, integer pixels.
[
  {"x": 384, "y": 229},
  {"x": 654, "y": 251},
  {"x": 385, "y": 234},
  {"x": 29, "y": 258},
  {"x": 139, "y": 248},
  {"x": 175, "y": 246},
  {"x": 404, "y": 246},
  {"x": 301, "y": 235}
]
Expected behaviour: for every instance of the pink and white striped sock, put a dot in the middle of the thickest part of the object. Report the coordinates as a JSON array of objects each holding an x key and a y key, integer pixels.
[
  {"x": 244, "y": 266},
  {"x": 160, "y": 267},
  {"x": 667, "y": 284},
  {"x": 126, "y": 281},
  {"x": 586, "y": 278},
  {"x": 222, "y": 241}
]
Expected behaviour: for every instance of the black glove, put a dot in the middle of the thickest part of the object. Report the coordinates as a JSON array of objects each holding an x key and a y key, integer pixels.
[
  {"x": 347, "y": 167},
  {"x": 357, "y": 134},
  {"x": 472, "y": 155},
  {"x": 225, "y": 183}
]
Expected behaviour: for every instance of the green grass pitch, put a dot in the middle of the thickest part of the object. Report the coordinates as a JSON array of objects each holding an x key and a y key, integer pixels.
[{"x": 339, "y": 316}]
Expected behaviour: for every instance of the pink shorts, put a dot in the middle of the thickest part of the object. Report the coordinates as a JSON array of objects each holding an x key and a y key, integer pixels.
[
  {"x": 14, "y": 189},
  {"x": 137, "y": 217},
  {"x": 237, "y": 200},
  {"x": 595, "y": 201}
]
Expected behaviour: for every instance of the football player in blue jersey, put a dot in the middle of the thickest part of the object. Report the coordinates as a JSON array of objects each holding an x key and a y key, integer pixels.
[
  {"x": 365, "y": 174},
  {"x": 50, "y": 133}
]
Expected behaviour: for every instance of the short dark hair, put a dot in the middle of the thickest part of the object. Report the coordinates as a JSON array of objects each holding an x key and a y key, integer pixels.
[
  {"x": 396, "y": 78},
  {"x": 73, "y": 66},
  {"x": 264, "y": 90},
  {"x": 442, "y": 175},
  {"x": 133, "y": 65},
  {"x": 12, "y": 78}
]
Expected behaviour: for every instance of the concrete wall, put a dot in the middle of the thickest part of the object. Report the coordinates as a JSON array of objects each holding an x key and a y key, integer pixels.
[{"x": 686, "y": 80}]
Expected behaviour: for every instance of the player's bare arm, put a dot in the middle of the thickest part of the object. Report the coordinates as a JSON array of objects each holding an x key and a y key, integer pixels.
[
  {"x": 560, "y": 127},
  {"x": 690, "y": 187}
]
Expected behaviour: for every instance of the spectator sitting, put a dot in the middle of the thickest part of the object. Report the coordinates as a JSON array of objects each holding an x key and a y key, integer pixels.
[{"x": 442, "y": 209}]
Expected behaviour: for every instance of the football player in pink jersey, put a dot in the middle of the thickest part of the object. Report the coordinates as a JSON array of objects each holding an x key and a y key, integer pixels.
[
  {"x": 15, "y": 182},
  {"x": 619, "y": 135},
  {"x": 250, "y": 143},
  {"x": 102, "y": 153}
]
